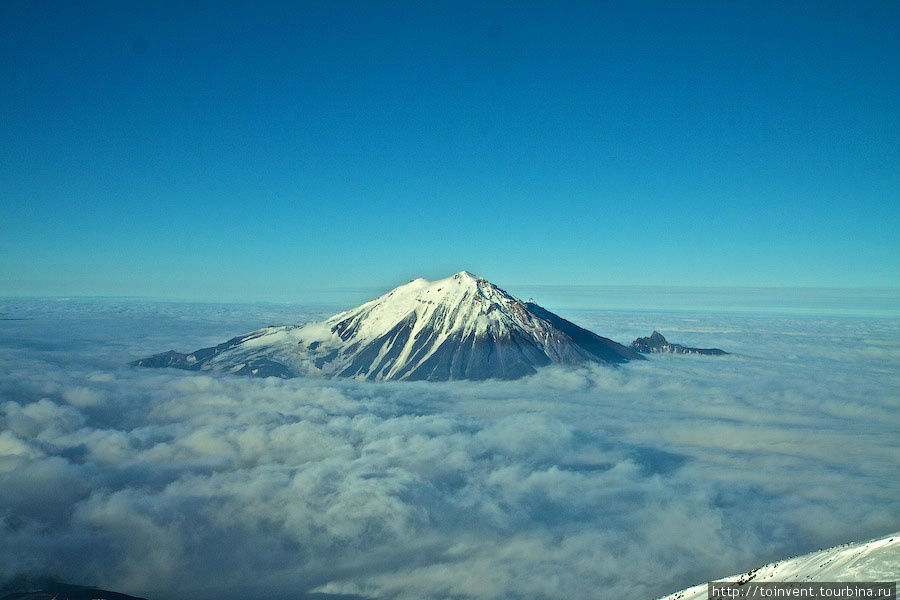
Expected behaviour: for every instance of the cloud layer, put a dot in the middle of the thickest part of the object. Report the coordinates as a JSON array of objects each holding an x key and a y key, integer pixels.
[{"x": 594, "y": 482}]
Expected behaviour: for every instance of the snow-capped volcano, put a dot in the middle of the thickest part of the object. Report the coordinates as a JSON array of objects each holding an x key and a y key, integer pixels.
[{"x": 461, "y": 327}]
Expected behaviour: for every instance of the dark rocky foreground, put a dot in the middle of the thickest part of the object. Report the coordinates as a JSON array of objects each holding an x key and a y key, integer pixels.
[{"x": 54, "y": 590}]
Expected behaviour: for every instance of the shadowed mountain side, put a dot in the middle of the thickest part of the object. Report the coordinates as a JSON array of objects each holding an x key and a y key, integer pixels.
[
  {"x": 657, "y": 343},
  {"x": 600, "y": 348}
]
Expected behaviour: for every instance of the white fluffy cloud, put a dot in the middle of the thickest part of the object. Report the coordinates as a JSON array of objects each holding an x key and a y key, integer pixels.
[{"x": 594, "y": 482}]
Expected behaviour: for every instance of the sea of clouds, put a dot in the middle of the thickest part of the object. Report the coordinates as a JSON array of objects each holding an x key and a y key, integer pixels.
[{"x": 595, "y": 482}]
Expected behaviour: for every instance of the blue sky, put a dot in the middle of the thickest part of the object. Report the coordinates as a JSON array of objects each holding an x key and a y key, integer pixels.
[{"x": 253, "y": 151}]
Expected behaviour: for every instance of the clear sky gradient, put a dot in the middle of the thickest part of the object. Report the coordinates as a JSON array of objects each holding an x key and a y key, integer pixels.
[{"x": 254, "y": 150}]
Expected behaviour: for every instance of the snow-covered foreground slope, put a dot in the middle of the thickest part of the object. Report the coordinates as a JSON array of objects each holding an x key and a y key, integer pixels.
[
  {"x": 875, "y": 560},
  {"x": 461, "y": 327}
]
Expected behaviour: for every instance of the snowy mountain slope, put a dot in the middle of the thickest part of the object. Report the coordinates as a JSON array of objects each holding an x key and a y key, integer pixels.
[
  {"x": 461, "y": 327},
  {"x": 875, "y": 560}
]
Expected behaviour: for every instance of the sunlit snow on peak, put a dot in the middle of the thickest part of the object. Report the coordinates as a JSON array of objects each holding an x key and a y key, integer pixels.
[{"x": 459, "y": 327}]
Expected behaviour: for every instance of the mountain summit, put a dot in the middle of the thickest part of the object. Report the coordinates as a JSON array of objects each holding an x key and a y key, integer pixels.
[{"x": 461, "y": 327}]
